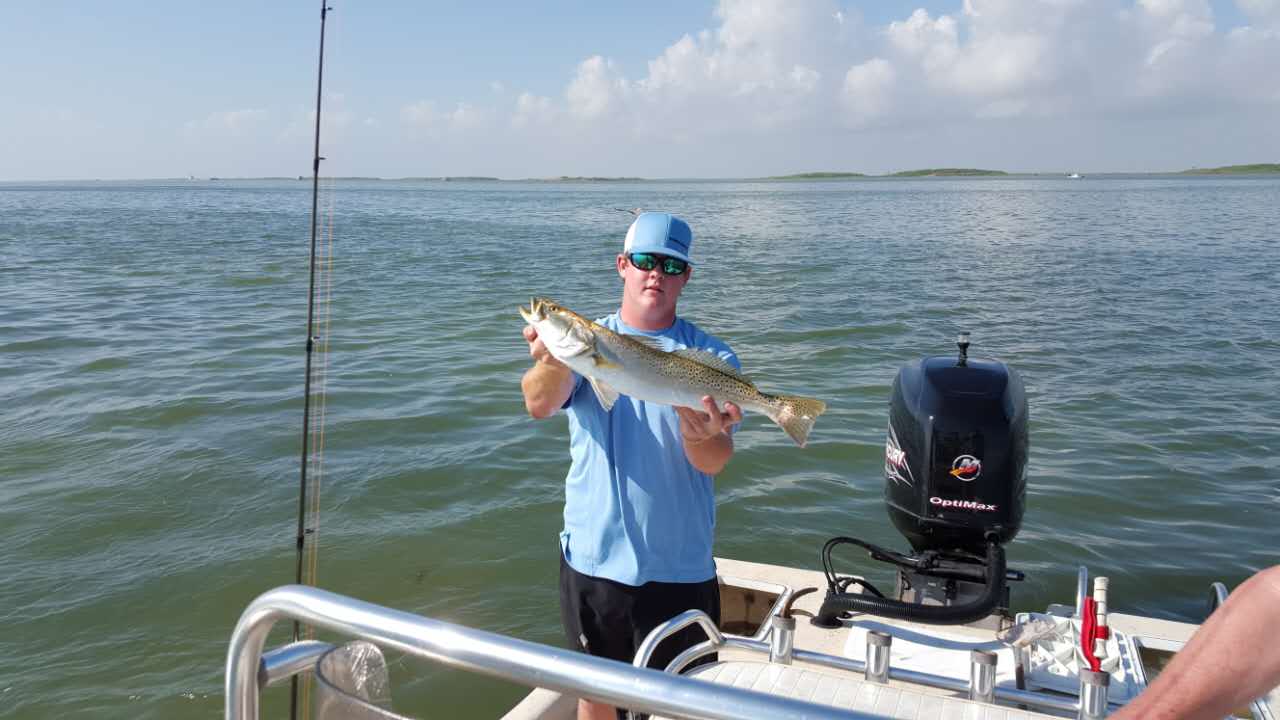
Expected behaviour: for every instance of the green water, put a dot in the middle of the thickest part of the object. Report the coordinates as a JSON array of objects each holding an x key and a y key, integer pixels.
[{"x": 151, "y": 372}]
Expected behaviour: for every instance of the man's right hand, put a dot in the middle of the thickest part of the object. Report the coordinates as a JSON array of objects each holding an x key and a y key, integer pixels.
[
  {"x": 538, "y": 349},
  {"x": 547, "y": 385}
]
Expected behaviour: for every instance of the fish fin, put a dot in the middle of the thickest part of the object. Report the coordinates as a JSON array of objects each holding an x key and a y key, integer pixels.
[
  {"x": 652, "y": 343},
  {"x": 605, "y": 394},
  {"x": 602, "y": 362},
  {"x": 566, "y": 352},
  {"x": 712, "y": 360},
  {"x": 796, "y": 415}
]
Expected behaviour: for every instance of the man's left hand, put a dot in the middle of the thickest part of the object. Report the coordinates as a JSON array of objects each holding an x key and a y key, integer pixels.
[{"x": 697, "y": 426}]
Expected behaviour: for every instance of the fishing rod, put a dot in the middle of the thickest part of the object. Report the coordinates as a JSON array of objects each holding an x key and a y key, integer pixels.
[{"x": 311, "y": 338}]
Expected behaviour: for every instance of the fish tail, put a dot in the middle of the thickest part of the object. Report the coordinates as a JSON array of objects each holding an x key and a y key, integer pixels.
[{"x": 796, "y": 415}]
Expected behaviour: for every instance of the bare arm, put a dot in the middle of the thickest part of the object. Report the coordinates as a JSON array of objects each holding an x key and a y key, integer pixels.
[
  {"x": 1230, "y": 661},
  {"x": 546, "y": 385},
  {"x": 707, "y": 442}
]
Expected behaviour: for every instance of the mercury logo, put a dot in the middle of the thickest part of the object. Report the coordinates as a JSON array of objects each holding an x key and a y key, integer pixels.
[
  {"x": 961, "y": 504},
  {"x": 966, "y": 468}
]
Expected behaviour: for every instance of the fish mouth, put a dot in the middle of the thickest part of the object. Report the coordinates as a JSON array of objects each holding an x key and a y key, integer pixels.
[
  {"x": 530, "y": 314},
  {"x": 538, "y": 310}
]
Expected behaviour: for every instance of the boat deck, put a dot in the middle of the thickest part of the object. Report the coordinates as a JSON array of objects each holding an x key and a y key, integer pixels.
[
  {"x": 851, "y": 692},
  {"x": 936, "y": 650}
]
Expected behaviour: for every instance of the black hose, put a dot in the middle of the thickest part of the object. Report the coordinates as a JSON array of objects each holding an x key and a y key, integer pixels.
[
  {"x": 786, "y": 607},
  {"x": 837, "y": 602}
]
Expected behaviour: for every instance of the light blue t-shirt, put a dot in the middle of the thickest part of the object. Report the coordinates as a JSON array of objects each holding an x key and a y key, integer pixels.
[{"x": 635, "y": 509}]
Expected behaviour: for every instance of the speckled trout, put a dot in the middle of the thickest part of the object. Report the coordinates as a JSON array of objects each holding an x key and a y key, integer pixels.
[{"x": 636, "y": 365}]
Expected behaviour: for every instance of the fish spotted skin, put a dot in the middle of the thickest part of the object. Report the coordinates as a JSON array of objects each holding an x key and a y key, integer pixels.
[{"x": 632, "y": 365}]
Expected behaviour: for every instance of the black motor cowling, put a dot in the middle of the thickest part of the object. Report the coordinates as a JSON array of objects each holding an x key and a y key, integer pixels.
[
  {"x": 956, "y": 453},
  {"x": 955, "y": 486}
]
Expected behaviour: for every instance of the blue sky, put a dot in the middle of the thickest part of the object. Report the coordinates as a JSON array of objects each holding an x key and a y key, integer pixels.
[{"x": 733, "y": 88}]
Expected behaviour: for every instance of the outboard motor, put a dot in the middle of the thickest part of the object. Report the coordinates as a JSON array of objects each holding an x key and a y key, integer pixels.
[{"x": 955, "y": 487}]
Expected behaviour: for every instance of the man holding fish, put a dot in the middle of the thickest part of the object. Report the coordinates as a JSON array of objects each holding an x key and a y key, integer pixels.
[{"x": 652, "y": 402}]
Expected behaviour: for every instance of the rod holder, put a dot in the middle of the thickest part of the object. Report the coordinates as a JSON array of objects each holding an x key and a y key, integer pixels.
[
  {"x": 1082, "y": 589},
  {"x": 283, "y": 663},
  {"x": 1093, "y": 694},
  {"x": 982, "y": 676},
  {"x": 878, "y": 644},
  {"x": 1100, "y": 588},
  {"x": 782, "y": 639}
]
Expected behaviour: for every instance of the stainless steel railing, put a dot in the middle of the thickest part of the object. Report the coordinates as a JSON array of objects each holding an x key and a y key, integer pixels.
[
  {"x": 490, "y": 654},
  {"x": 286, "y": 661}
]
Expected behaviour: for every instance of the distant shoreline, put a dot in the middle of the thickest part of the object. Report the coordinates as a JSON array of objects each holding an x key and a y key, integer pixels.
[
  {"x": 948, "y": 172},
  {"x": 815, "y": 176},
  {"x": 1250, "y": 169},
  {"x": 1255, "y": 169}
]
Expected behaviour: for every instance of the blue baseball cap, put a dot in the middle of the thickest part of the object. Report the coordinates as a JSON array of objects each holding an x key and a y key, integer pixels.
[{"x": 661, "y": 234}]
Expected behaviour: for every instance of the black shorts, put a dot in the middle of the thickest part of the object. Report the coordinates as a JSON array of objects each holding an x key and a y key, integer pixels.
[{"x": 610, "y": 619}]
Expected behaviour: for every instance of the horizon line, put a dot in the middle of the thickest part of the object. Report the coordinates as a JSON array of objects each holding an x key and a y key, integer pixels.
[{"x": 812, "y": 176}]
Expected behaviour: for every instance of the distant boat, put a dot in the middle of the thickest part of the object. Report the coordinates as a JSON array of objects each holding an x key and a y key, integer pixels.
[{"x": 1074, "y": 176}]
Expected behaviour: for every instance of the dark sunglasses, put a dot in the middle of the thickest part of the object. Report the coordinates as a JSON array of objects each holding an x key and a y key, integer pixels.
[{"x": 648, "y": 261}]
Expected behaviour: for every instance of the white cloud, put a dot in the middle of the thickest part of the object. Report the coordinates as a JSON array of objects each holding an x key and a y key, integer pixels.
[
  {"x": 1262, "y": 11},
  {"x": 424, "y": 119},
  {"x": 468, "y": 117},
  {"x": 681, "y": 68},
  {"x": 934, "y": 43},
  {"x": 791, "y": 77},
  {"x": 227, "y": 123},
  {"x": 1003, "y": 109},
  {"x": 336, "y": 120},
  {"x": 1187, "y": 14},
  {"x": 764, "y": 67},
  {"x": 1004, "y": 64},
  {"x": 1178, "y": 26},
  {"x": 596, "y": 90},
  {"x": 422, "y": 114},
  {"x": 996, "y": 59},
  {"x": 533, "y": 111},
  {"x": 866, "y": 95}
]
